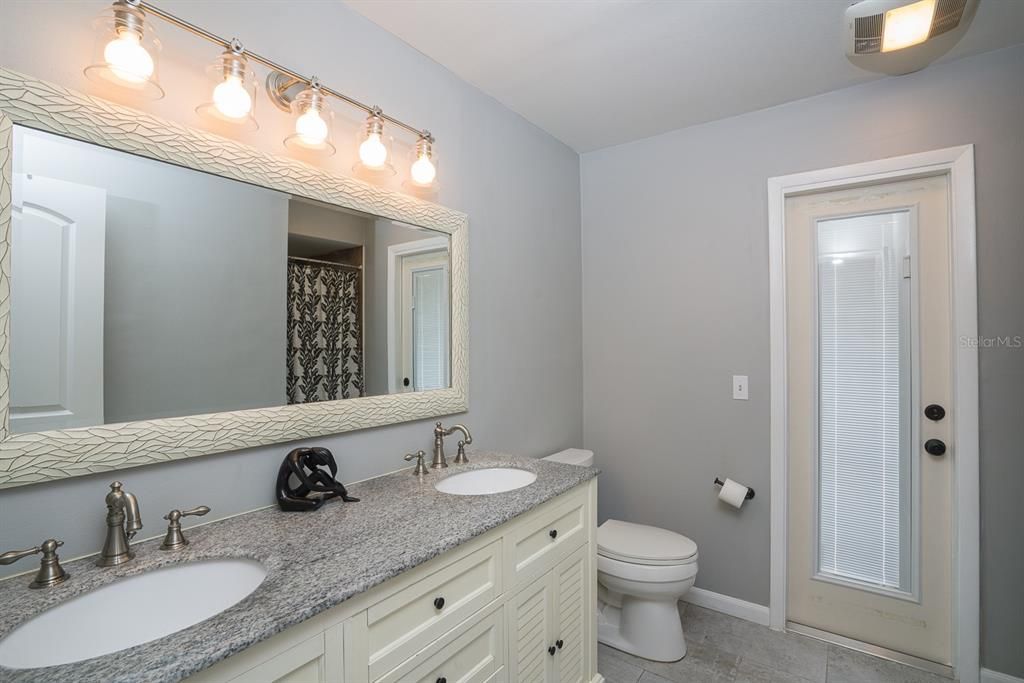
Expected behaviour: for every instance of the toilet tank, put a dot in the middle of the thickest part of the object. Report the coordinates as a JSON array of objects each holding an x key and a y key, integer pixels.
[{"x": 573, "y": 456}]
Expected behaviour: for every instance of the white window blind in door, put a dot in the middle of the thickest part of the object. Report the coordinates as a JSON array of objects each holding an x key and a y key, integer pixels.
[
  {"x": 864, "y": 393},
  {"x": 430, "y": 329}
]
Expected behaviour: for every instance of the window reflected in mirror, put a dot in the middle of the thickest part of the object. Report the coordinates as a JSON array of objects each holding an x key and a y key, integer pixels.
[{"x": 144, "y": 290}]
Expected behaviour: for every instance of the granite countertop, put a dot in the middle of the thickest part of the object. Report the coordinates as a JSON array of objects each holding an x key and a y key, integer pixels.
[{"x": 314, "y": 561}]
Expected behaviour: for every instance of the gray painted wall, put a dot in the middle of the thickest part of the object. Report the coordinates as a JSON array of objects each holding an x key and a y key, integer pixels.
[
  {"x": 675, "y": 261},
  {"x": 194, "y": 282},
  {"x": 519, "y": 186}
]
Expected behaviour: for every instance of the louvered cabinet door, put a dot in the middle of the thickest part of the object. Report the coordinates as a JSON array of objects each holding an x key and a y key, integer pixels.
[
  {"x": 569, "y": 619},
  {"x": 530, "y": 632}
]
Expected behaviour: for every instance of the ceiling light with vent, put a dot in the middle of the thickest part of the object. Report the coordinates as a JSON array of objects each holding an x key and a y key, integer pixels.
[{"x": 898, "y": 37}]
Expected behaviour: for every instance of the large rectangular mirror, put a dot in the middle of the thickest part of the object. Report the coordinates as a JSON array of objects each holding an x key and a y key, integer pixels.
[
  {"x": 143, "y": 290},
  {"x": 174, "y": 294}
]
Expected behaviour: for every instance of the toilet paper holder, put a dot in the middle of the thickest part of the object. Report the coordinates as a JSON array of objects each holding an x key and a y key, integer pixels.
[{"x": 750, "y": 491}]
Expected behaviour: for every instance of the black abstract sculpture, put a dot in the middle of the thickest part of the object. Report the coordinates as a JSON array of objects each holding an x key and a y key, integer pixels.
[{"x": 308, "y": 466}]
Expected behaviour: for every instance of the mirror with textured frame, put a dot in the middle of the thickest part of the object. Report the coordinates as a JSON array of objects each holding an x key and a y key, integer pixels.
[{"x": 181, "y": 294}]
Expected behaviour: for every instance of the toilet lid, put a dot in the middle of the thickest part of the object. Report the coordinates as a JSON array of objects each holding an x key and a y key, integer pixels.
[{"x": 642, "y": 544}]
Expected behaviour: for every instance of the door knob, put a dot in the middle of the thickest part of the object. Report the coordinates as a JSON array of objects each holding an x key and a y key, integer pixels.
[
  {"x": 935, "y": 447},
  {"x": 935, "y": 412},
  {"x": 551, "y": 650}
]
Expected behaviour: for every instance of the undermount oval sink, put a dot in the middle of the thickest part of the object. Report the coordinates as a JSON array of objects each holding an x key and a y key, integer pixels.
[
  {"x": 130, "y": 612},
  {"x": 484, "y": 482}
]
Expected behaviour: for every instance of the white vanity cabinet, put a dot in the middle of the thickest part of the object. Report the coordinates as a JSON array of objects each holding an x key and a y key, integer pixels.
[{"x": 516, "y": 604}]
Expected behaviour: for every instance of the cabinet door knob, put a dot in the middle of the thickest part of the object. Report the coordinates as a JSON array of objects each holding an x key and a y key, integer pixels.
[
  {"x": 551, "y": 650},
  {"x": 553, "y": 533},
  {"x": 559, "y": 643},
  {"x": 438, "y": 603}
]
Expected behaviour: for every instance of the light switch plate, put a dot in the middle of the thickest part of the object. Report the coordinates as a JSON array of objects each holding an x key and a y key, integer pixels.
[{"x": 739, "y": 387}]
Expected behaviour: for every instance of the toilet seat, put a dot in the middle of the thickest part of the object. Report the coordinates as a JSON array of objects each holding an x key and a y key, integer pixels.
[
  {"x": 646, "y": 573},
  {"x": 644, "y": 545}
]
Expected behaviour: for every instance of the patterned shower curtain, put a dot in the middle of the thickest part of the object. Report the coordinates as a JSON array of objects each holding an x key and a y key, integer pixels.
[{"x": 325, "y": 355}]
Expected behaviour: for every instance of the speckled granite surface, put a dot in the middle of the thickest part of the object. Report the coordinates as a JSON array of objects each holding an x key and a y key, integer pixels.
[{"x": 314, "y": 561}]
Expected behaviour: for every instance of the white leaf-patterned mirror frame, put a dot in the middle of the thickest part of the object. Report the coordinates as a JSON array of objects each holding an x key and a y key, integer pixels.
[{"x": 27, "y": 458}]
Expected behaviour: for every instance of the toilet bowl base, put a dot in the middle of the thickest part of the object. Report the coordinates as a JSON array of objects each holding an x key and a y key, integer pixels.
[{"x": 649, "y": 629}]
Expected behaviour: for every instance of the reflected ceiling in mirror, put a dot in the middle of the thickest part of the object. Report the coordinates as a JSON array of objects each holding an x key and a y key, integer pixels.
[{"x": 145, "y": 290}]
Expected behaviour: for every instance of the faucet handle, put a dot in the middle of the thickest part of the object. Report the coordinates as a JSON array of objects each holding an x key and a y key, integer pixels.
[
  {"x": 193, "y": 512},
  {"x": 175, "y": 540},
  {"x": 420, "y": 468},
  {"x": 50, "y": 572}
]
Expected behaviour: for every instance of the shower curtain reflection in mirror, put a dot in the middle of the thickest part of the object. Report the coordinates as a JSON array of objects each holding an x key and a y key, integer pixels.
[{"x": 325, "y": 357}]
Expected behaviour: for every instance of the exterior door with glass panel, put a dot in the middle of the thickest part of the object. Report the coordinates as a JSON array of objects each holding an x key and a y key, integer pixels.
[
  {"x": 869, "y": 342},
  {"x": 425, "y": 315}
]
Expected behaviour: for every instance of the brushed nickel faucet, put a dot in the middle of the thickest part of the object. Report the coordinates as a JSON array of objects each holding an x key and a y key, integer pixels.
[
  {"x": 439, "y": 434},
  {"x": 123, "y": 522},
  {"x": 50, "y": 572},
  {"x": 175, "y": 540},
  {"x": 420, "y": 468}
]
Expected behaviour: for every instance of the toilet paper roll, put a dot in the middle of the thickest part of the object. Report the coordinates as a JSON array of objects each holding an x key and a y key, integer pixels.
[{"x": 733, "y": 493}]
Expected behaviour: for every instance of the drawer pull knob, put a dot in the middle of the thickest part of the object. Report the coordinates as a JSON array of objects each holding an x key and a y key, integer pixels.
[
  {"x": 551, "y": 650},
  {"x": 438, "y": 603},
  {"x": 559, "y": 643},
  {"x": 553, "y": 533},
  {"x": 442, "y": 679}
]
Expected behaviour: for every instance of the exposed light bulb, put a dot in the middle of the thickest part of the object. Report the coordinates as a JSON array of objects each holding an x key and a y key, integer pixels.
[
  {"x": 908, "y": 25},
  {"x": 423, "y": 170},
  {"x": 231, "y": 98},
  {"x": 127, "y": 59},
  {"x": 311, "y": 128},
  {"x": 372, "y": 151}
]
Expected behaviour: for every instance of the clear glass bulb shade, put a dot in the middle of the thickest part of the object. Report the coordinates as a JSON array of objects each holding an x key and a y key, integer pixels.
[
  {"x": 374, "y": 146},
  {"x": 423, "y": 170},
  {"x": 233, "y": 88},
  {"x": 422, "y": 167},
  {"x": 126, "y": 51},
  {"x": 311, "y": 128},
  {"x": 313, "y": 123},
  {"x": 372, "y": 151}
]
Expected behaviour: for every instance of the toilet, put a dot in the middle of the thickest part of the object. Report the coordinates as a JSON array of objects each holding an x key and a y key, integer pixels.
[{"x": 642, "y": 573}]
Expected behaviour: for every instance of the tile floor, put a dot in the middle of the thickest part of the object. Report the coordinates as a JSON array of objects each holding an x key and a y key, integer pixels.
[{"x": 724, "y": 649}]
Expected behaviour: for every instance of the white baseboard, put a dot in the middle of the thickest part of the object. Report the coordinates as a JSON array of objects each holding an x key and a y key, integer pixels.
[
  {"x": 989, "y": 676},
  {"x": 725, "y": 604}
]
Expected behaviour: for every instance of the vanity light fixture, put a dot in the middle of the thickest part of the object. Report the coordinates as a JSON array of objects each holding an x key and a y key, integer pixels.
[
  {"x": 374, "y": 147},
  {"x": 234, "y": 89},
  {"x": 313, "y": 121},
  {"x": 424, "y": 166},
  {"x": 128, "y": 49}
]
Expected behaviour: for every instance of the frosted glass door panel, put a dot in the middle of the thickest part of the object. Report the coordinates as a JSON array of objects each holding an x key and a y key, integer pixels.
[{"x": 864, "y": 391}]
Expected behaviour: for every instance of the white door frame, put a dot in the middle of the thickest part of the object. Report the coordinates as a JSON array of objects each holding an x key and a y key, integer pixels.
[{"x": 958, "y": 164}]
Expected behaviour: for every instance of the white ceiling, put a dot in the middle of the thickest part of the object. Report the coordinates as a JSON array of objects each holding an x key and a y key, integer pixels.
[{"x": 596, "y": 73}]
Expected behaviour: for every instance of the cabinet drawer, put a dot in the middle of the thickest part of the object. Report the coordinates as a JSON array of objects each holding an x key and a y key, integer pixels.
[
  {"x": 546, "y": 537},
  {"x": 405, "y": 622},
  {"x": 476, "y": 655}
]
